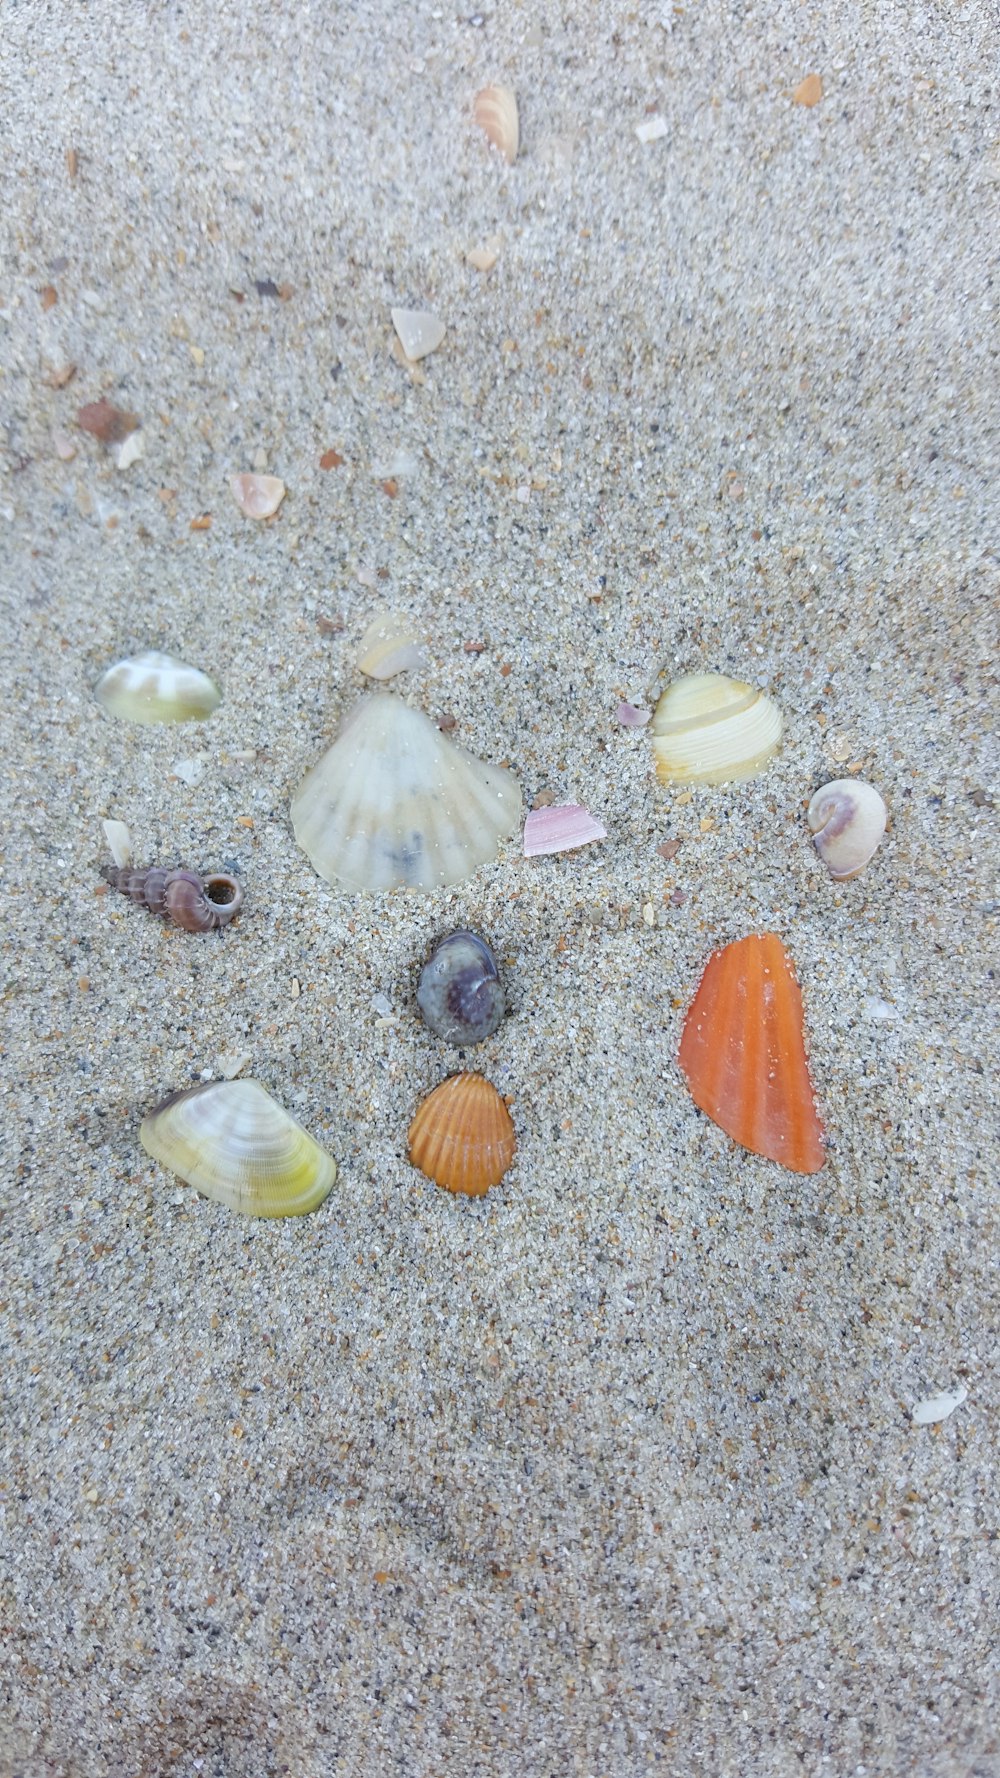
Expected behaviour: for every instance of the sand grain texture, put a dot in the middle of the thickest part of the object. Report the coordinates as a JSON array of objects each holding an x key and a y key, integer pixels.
[{"x": 612, "y": 1471}]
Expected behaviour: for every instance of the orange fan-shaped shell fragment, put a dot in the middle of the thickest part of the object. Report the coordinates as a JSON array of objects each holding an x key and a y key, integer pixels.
[
  {"x": 462, "y": 1136},
  {"x": 743, "y": 1053}
]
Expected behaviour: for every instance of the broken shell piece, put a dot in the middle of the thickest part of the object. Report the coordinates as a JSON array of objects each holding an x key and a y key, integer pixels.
[
  {"x": 393, "y": 804},
  {"x": 462, "y": 1136},
  {"x": 63, "y": 446},
  {"x": 258, "y": 496},
  {"x": 419, "y": 331},
  {"x": 482, "y": 259},
  {"x": 496, "y": 115},
  {"x": 937, "y": 1407},
  {"x": 847, "y": 819},
  {"x": 708, "y": 729},
  {"x": 131, "y": 449},
  {"x": 651, "y": 129},
  {"x": 154, "y": 687},
  {"x": 631, "y": 717},
  {"x": 743, "y": 1053},
  {"x": 119, "y": 842},
  {"x": 560, "y": 829},
  {"x": 389, "y": 646},
  {"x": 236, "y": 1144}
]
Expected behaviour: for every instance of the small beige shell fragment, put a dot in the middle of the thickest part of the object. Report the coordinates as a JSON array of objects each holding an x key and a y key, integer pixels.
[
  {"x": 847, "y": 820},
  {"x": 419, "y": 331},
  {"x": 389, "y": 646},
  {"x": 938, "y": 1407},
  {"x": 651, "y": 129},
  {"x": 708, "y": 729},
  {"x": 496, "y": 115},
  {"x": 258, "y": 496},
  {"x": 119, "y": 842},
  {"x": 131, "y": 449},
  {"x": 482, "y": 259},
  {"x": 232, "y": 1063},
  {"x": 63, "y": 446}
]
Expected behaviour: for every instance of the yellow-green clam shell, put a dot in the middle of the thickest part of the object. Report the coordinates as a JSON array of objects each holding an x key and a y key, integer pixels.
[{"x": 237, "y": 1145}]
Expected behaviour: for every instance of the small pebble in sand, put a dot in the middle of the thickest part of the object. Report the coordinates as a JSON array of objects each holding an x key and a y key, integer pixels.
[
  {"x": 257, "y": 496},
  {"x": 809, "y": 91},
  {"x": 419, "y": 331},
  {"x": 63, "y": 446}
]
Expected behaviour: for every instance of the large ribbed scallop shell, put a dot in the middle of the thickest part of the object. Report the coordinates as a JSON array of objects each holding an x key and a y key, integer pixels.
[
  {"x": 743, "y": 1053},
  {"x": 708, "y": 729},
  {"x": 462, "y": 1136},
  {"x": 393, "y": 804},
  {"x": 237, "y": 1145},
  {"x": 154, "y": 687}
]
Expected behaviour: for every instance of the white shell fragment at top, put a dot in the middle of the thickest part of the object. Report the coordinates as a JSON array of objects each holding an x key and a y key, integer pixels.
[
  {"x": 154, "y": 687},
  {"x": 419, "y": 331},
  {"x": 393, "y": 804}
]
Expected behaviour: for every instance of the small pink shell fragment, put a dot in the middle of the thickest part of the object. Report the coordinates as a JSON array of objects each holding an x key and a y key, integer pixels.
[
  {"x": 258, "y": 496},
  {"x": 560, "y": 829},
  {"x": 630, "y": 717}
]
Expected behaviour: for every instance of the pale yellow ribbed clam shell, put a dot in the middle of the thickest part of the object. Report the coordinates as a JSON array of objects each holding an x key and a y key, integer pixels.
[
  {"x": 847, "y": 819},
  {"x": 237, "y": 1145},
  {"x": 496, "y": 115},
  {"x": 155, "y": 687},
  {"x": 394, "y": 804},
  {"x": 708, "y": 729}
]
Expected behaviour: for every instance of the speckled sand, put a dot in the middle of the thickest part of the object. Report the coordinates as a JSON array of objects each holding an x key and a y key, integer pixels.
[{"x": 613, "y": 1471}]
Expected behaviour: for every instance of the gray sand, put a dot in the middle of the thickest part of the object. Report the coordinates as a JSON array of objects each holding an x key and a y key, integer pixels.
[{"x": 614, "y": 1470}]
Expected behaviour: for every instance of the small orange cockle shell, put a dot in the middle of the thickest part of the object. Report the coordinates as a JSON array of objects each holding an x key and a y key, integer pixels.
[
  {"x": 462, "y": 1136},
  {"x": 743, "y": 1053}
]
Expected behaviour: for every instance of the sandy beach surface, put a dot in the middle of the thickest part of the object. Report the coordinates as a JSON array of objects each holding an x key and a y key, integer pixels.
[{"x": 614, "y": 1470}]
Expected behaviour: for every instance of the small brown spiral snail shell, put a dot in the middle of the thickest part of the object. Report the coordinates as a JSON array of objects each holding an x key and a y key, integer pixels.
[{"x": 192, "y": 902}]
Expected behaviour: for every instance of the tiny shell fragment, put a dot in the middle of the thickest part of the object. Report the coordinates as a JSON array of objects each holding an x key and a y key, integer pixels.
[
  {"x": 937, "y": 1407},
  {"x": 131, "y": 449},
  {"x": 64, "y": 447},
  {"x": 496, "y": 115},
  {"x": 419, "y": 331},
  {"x": 809, "y": 91},
  {"x": 258, "y": 496},
  {"x": 651, "y": 129},
  {"x": 389, "y": 646},
  {"x": 119, "y": 842},
  {"x": 482, "y": 259},
  {"x": 631, "y": 717},
  {"x": 560, "y": 829}
]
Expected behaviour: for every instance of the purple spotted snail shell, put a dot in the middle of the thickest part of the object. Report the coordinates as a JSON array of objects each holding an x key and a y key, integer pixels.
[
  {"x": 460, "y": 994},
  {"x": 192, "y": 902}
]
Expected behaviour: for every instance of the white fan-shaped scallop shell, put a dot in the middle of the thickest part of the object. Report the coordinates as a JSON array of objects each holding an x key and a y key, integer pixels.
[
  {"x": 393, "y": 804},
  {"x": 237, "y": 1145},
  {"x": 155, "y": 687}
]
